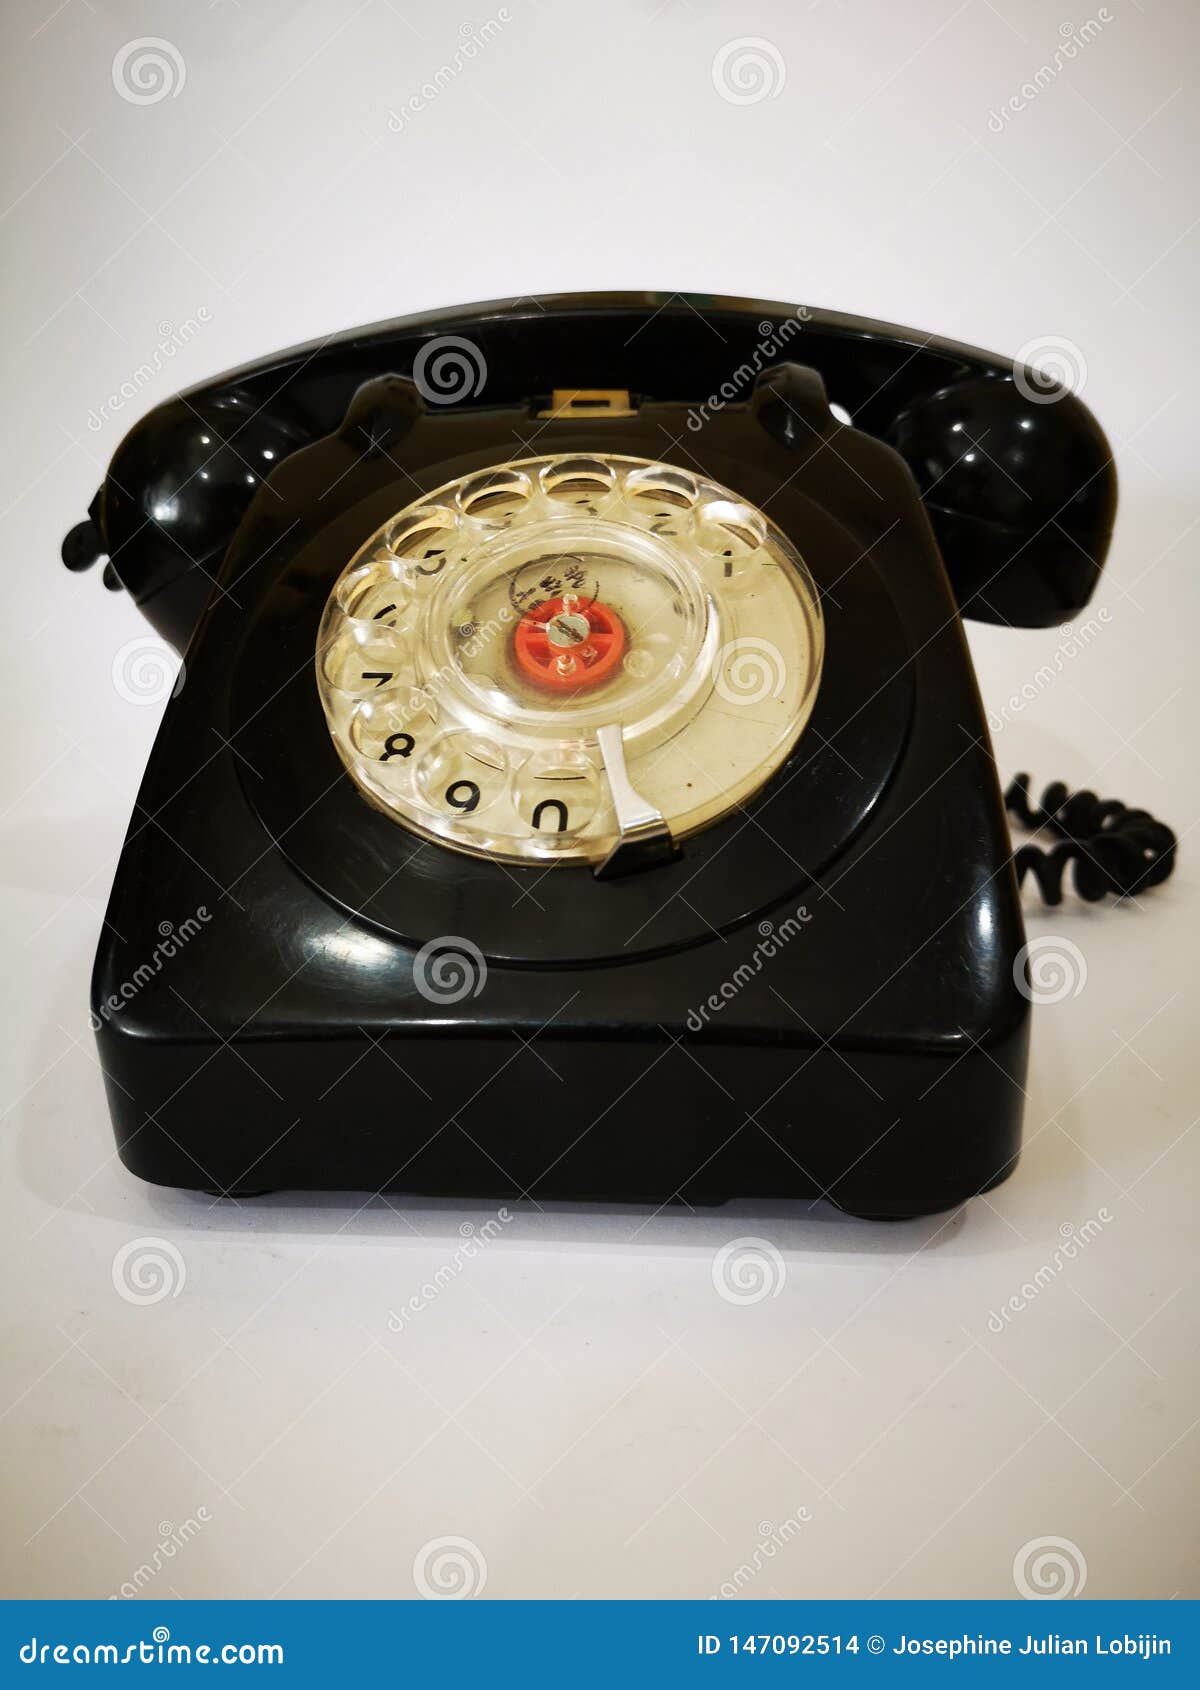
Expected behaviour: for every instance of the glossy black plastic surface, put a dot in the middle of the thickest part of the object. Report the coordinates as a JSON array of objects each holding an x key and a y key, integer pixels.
[{"x": 1021, "y": 490}]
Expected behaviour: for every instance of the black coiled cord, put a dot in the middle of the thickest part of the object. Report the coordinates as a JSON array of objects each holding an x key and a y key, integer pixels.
[{"x": 1114, "y": 849}]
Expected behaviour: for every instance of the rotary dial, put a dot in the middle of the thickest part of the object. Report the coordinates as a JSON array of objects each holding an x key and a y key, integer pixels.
[{"x": 569, "y": 659}]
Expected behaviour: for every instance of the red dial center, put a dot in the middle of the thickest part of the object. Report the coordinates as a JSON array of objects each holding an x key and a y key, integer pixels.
[{"x": 566, "y": 643}]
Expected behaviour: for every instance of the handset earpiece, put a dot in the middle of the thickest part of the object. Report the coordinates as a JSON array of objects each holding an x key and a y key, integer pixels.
[
  {"x": 182, "y": 479},
  {"x": 174, "y": 494},
  {"x": 1019, "y": 483}
]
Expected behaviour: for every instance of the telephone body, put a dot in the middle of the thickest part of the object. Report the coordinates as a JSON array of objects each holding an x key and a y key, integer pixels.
[{"x": 579, "y": 765}]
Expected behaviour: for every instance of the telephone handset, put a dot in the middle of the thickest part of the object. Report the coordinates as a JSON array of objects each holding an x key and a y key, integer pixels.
[
  {"x": 1016, "y": 475},
  {"x": 580, "y": 787}
]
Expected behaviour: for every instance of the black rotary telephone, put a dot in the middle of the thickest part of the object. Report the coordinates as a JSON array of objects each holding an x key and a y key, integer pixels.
[{"x": 577, "y": 787}]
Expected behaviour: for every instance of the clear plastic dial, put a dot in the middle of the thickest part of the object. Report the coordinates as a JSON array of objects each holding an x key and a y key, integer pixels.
[{"x": 476, "y": 648}]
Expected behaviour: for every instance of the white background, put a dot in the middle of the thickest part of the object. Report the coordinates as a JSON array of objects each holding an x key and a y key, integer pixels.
[{"x": 579, "y": 1403}]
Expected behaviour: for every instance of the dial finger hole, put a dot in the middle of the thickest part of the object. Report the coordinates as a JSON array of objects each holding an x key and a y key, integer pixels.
[
  {"x": 732, "y": 537},
  {"x": 662, "y": 498},
  {"x": 393, "y": 727},
  {"x": 424, "y": 539},
  {"x": 362, "y": 658},
  {"x": 578, "y": 484},
  {"x": 377, "y": 590},
  {"x": 495, "y": 497},
  {"x": 383, "y": 601},
  {"x": 462, "y": 774},
  {"x": 556, "y": 794},
  {"x": 675, "y": 488}
]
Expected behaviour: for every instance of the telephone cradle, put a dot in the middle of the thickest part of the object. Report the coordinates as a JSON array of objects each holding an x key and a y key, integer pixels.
[{"x": 576, "y": 786}]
